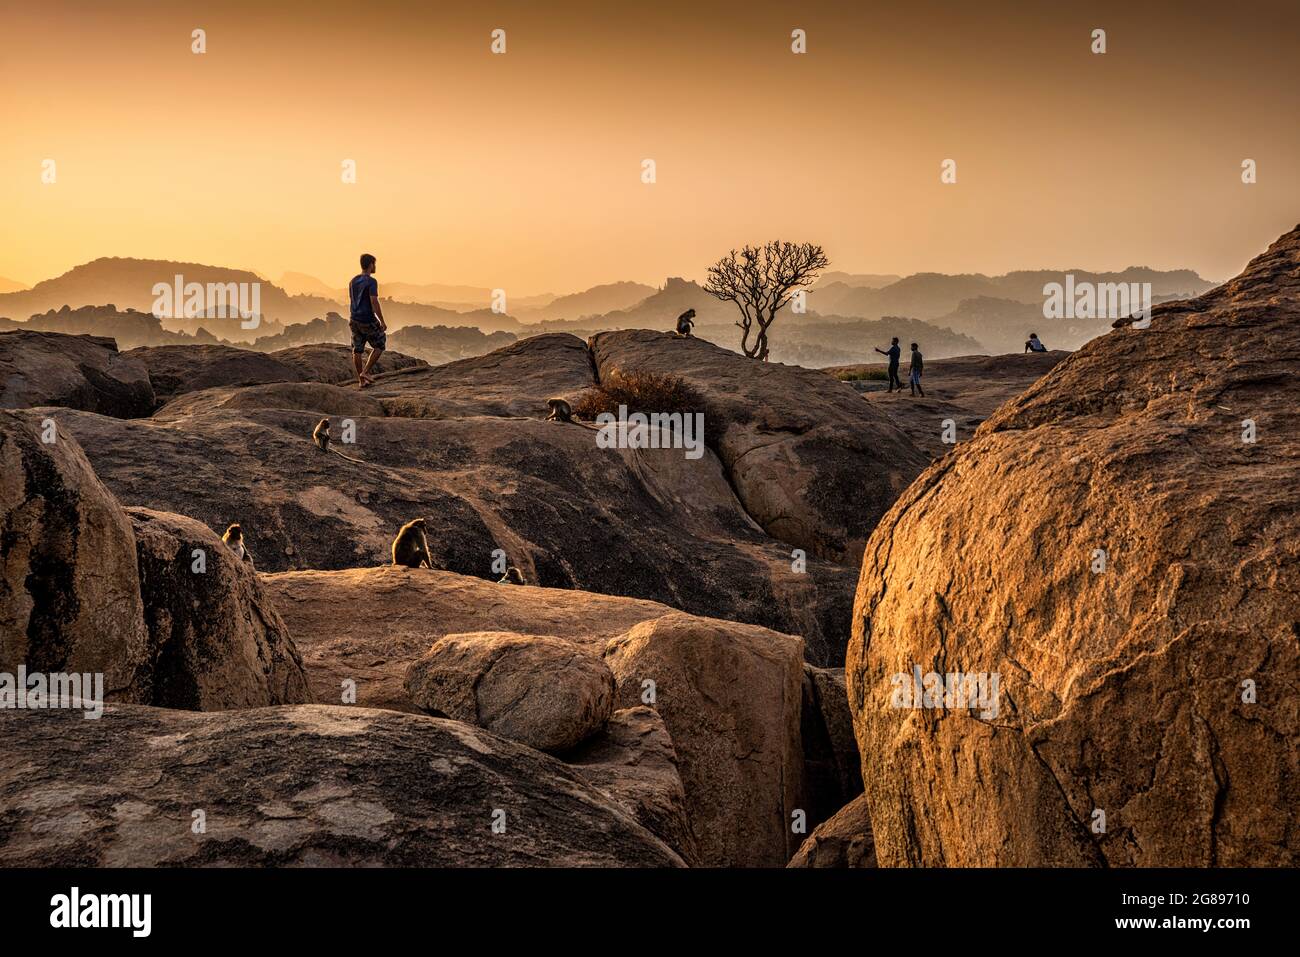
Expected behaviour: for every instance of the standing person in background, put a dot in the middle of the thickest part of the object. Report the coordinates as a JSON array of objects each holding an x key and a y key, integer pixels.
[
  {"x": 367, "y": 320},
  {"x": 914, "y": 373},
  {"x": 894, "y": 353}
]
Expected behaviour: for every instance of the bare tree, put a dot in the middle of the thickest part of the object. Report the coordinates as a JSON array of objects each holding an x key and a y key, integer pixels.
[{"x": 760, "y": 281}]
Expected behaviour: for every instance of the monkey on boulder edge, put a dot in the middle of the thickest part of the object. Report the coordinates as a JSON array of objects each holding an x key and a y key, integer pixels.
[
  {"x": 562, "y": 411},
  {"x": 321, "y": 436},
  {"x": 234, "y": 539},
  {"x": 411, "y": 546},
  {"x": 684, "y": 323},
  {"x": 513, "y": 576}
]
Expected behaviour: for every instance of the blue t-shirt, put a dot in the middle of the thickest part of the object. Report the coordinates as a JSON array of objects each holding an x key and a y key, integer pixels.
[{"x": 361, "y": 289}]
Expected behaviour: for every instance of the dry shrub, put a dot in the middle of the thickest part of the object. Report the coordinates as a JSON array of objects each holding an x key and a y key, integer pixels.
[{"x": 647, "y": 392}]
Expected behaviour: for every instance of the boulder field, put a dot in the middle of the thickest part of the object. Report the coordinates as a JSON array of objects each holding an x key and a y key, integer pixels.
[
  {"x": 1120, "y": 547},
  {"x": 735, "y": 533}
]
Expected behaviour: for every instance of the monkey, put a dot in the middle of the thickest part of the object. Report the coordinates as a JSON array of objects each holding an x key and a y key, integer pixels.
[
  {"x": 561, "y": 411},
  {"x": 234, "y": 539},
  {"x": 684, "y": 323},
  {"x": 513, "y": 576},
  {"x": 411, "y": 547},
  {"x": 321, "y": 436}
]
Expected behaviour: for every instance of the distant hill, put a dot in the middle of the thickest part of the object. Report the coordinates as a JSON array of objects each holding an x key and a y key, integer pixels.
[
  {"x": 9, "y": 285},
  {"x": 933, "y": 295},
  {"x": 595, "y": 301},
  {"x": 863, "y": 280},
  {"x": 131, "y": 329},
  {"x": 301, "y": 284}
]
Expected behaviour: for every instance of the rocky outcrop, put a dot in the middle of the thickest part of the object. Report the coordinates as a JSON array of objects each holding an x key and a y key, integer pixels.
[
  {"x": 812, "y": 463},
  {"x": 76, "y": 372},
  {"x": 843, "y": 841},
  {"x": 634, "y": 762},
  {"x": 175, "y": 370},
  {"x": 332, "y": 362},
  {"x": 1118, "y": 546},
  {"x": 70, "y": 593},
  {"x": 832, "y": 767},
  {"x": 645, "y": 523},
  {"x": 541, "y": 691},
  {"x": 216, "y": 642},
  {"x": 965, "y": 390},
  {"x": 303, "y": 785},
  {"x": 730, "y": 698},
  {"x": 314, "y": 397},
  {"x": 515, "y": 380}
]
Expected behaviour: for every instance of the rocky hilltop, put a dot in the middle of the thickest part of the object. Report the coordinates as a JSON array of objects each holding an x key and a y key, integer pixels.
[{"x": 1120, "y": 546}]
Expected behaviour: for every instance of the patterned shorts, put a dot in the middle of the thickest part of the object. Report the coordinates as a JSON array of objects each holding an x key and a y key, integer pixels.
[{"x": 363, "y": 333}]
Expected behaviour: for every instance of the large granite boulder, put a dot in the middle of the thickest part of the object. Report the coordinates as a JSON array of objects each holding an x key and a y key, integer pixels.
[
  {"x": 174, "y": 370},
  {"x": 77, "y": 372},
  {"x": 296, "y": 785},
  {"x": 332, "y": 362},
  {"x": 216, "y": 641},
  {"x": 70, "y": 591},
  {"x": 539, "y": 690},
  {"x": 1120, "y": 548},
  {"x": 842, "y": 841},
  {"x": 730, "y": 698}
]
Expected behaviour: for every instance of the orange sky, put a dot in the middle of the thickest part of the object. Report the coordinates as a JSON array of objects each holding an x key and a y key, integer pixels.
[{"x": 522, "y": 171}]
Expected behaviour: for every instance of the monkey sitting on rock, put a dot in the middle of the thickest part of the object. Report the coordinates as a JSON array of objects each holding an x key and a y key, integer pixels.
[
  {"x": 561, "y": 411},
  {"x": 411, "y": 546},
  {"x": 321, "y": 436},
  {"x": 234, "y": 539},
  {"x": 513, "y": 576},
  {"x": 684, "y": 323}
]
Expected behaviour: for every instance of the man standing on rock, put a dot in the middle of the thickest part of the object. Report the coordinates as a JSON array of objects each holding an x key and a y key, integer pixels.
[
  {"x": 893, "y": 353},
  {"x": 367, "y": 323},
  {"x": 914, "y": 374}
]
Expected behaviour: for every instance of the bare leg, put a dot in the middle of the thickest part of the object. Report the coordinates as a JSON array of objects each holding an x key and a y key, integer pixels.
[
  {"x": 356, "y": 364},
  {"x": 370, "y": 364}
]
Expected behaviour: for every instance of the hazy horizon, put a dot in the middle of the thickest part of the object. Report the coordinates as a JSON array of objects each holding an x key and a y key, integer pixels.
[{"x": 522, "y": 170}]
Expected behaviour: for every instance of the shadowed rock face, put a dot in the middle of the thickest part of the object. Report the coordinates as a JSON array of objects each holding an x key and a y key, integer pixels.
[
  {"x": 1125, "y": 687},
  {"x": 77, "y": 372},
  {"x": 216, "y": 642},
  {"x": 70, "y": 592},
  {"x": 832, "y": 766},
  {"x": 302, "y": 785},
  {"x": 634, "y": 762},
  {"x": 812, "y": 463}
]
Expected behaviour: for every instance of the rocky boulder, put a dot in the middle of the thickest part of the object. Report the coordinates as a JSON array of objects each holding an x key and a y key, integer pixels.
[
  {"x": 174, "y": 370},
  {"x": 70, "y": 593},
  {"x": 332, "y": 362},
  {"x": 634, "y": 762},
  {"x": 811, "y": 462},
  {"x": 298, "y": 785},
  {"x": 843, "y": 841},
  {"x": 730, "y": 698},
  {"x": 512, "y": 381},
  {"x": 216, "y": 642},
  {"x": 315, "y": 397},
  {"x": 77, "y": 372},
  {"x": 1118, "y": 548},
  {"x": 541, "y": 691}
]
